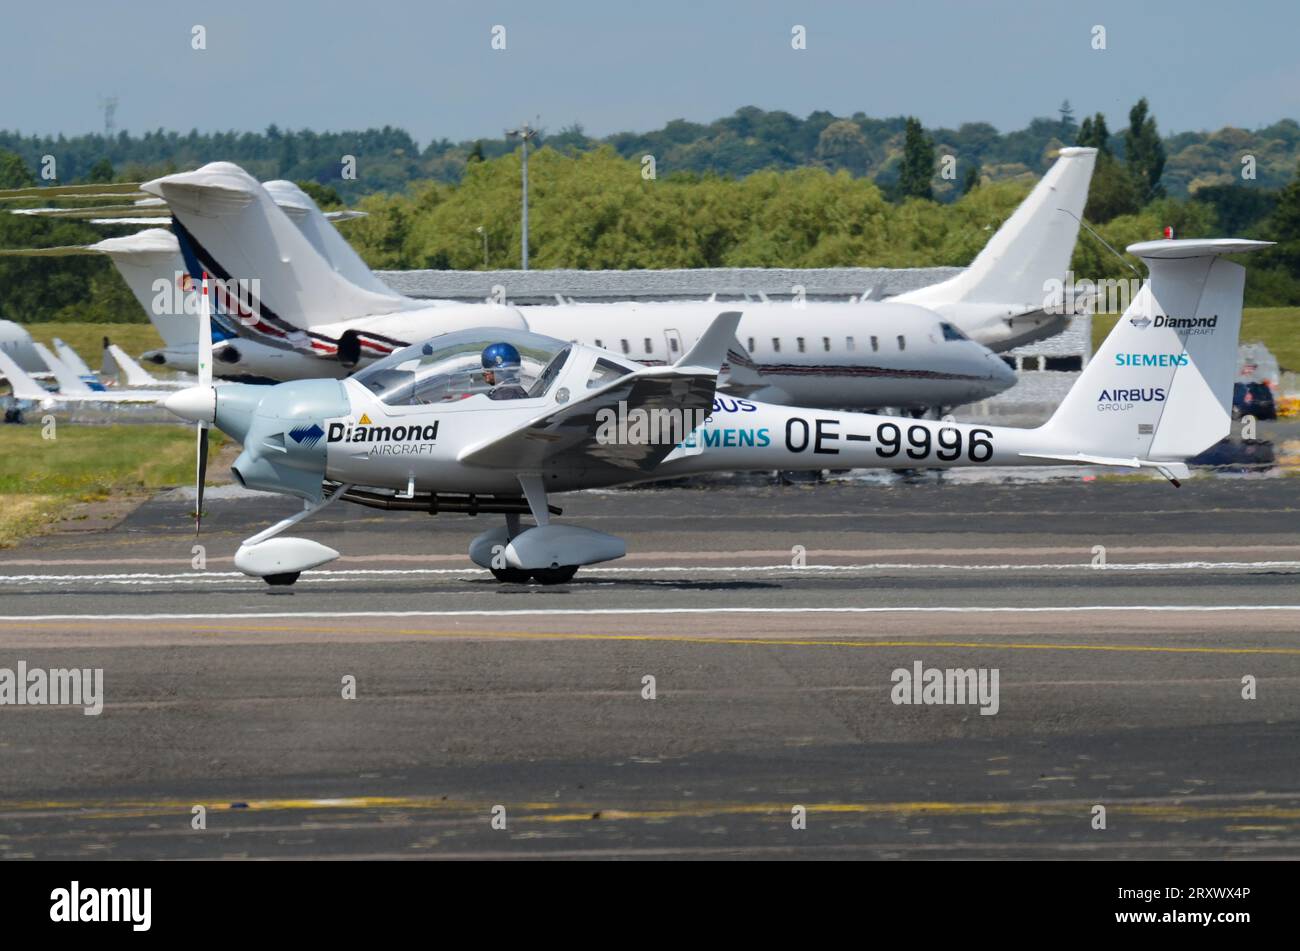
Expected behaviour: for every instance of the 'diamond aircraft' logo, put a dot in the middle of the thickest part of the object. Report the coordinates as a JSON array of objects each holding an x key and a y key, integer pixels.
[
  {"x": 307, "y": 435},
  {"x": 1141, "y": 323}
]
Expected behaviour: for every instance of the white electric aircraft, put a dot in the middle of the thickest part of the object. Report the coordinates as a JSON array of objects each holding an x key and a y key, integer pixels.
[{"x": 426, "y": 428}]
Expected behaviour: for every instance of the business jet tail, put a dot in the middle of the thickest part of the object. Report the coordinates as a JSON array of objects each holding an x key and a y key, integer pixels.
[
  {"x": 317, "y": 227},
  {"x": 230, "y": 226},
  {"x": 1031, "y": 249}
]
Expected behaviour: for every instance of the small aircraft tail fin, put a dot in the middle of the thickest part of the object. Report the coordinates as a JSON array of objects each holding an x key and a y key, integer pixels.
[
  {"x": 17, "y": 342},
  {"x": 69, "y": 383},
  {"x": 1160, "y": 386},
  {"x": 135, "y": 374},
  {"x": 1033, "y": 246},
  {"x": 71, "y": 358},
  {"x": 22, "y": 385}
]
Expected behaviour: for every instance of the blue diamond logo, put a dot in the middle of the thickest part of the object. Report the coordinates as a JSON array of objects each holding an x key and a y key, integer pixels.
[{"x": 307, "y": 435}]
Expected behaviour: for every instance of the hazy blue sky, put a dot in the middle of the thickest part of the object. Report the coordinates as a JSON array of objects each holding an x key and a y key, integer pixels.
[{"x": 617, "y": 65}]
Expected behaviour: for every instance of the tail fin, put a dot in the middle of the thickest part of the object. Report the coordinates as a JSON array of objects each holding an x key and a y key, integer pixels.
[
  {"x": 1031, "y": 248},
  {"x": 151, "y": 264},
  {"x": 69, "y": 383},
  {"x": 1160, "y": 385},
  {"x": 234, "y": 230},
  {"x": 324, "y": 237},
  {"x": 17, "y": 342},
  {"x": 71, "y": 358},
  {"x": 135, "y": 374},
  {"x": 22, "y": 385}
]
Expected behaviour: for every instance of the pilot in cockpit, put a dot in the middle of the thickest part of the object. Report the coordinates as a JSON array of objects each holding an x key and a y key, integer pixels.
[{"x": 501, "y": 365}]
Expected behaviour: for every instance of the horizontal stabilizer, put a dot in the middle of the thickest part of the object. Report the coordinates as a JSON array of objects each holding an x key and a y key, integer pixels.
[
  {"x": 1178, "y": 469},
  {"x": 96, "y": 190},
  {"x": 60, "y": 252},
  {"x": 137, "y": 210}
]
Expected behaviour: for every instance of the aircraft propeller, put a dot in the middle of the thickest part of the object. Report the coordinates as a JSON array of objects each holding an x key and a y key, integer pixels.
[{"x": 205, "y": 379}]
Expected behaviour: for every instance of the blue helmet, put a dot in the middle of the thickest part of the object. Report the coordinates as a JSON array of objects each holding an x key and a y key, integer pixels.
[{"x": 500, "y": 355}]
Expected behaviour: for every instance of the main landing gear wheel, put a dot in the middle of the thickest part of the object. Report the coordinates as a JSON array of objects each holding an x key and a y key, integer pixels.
[
  {"x": 287, "y": 578},
  {"x": 510, "y": 575},
  {"x": 554, "y": 575}
]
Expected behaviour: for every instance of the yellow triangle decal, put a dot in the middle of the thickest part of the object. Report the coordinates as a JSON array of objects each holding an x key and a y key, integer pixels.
[{"x": 365, "y": 420}]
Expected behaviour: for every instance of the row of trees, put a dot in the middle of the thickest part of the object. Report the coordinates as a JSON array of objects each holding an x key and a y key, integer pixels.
[
  {"x": 596, "y": 208},
  {"x": 750, "y": 140}
]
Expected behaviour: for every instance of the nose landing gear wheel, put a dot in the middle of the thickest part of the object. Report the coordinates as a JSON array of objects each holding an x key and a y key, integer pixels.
[
  {"x": 288, "y": 578},
  {"x": 510, "y": 575},
  {"x": 554, "y": 575}
]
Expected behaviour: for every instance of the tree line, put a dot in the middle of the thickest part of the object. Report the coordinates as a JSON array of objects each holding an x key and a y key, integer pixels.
[
  {"x": 595, "y": 207},
  {"x": 750, "y": 140}
]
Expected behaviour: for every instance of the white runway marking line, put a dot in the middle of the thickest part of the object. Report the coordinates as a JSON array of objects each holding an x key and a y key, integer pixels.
[
  {"x": 779, "y": 555},
  {"x": 342, "y": 574},
  {"x": 559, "y": 612}
]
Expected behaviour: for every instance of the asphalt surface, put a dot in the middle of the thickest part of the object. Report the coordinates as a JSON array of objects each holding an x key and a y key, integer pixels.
[{"x": 1119, "y": 685}]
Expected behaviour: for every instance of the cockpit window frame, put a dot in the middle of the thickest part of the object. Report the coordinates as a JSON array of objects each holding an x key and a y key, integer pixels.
[{"x": 455, "y": 356}]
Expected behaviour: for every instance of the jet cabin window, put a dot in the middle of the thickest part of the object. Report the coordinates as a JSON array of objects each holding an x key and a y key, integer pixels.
[
  {"x": 799, "y": 343},
  {"x": 902, "y": 342},
  {"x": 449, "y": 368}
]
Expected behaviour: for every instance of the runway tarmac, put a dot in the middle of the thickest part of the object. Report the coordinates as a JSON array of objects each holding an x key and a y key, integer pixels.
[{"x": 1120, "y": 684}]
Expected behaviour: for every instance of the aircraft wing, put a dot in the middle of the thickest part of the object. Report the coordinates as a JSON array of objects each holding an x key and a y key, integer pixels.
[{"x": 577, "y": 435}]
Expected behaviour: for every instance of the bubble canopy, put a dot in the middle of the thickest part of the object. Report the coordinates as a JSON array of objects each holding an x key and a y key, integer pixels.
[{"x": 449, "y": 367}]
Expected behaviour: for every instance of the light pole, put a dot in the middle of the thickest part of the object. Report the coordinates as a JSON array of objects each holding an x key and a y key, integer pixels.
[
  {"x": 523, "y": 133},
  {"x": 480, "y": 229}
]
